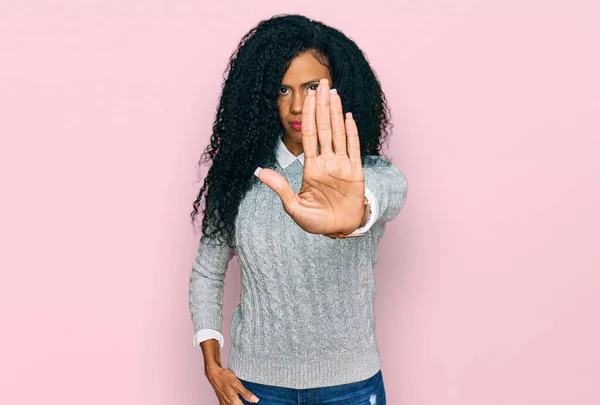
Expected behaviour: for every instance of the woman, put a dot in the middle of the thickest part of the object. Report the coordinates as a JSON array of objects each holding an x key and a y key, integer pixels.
[{"x": 305, "y": 228}]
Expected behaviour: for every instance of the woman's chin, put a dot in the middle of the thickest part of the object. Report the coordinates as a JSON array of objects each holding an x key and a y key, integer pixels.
[{"x": 294, "y": 136}]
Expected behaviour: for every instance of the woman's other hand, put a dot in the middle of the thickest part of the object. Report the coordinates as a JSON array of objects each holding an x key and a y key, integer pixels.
[
  {"x": 331, "y": 198},
  {"x": 227, "y": 386}
]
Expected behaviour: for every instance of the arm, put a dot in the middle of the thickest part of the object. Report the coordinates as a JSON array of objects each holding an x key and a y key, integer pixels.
[
  {"x": 385, "y": 187},
  {"x": 206, "y": 296}
]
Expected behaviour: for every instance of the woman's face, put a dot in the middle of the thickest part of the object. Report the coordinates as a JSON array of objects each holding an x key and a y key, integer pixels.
[{"x": 303, "y": 74}]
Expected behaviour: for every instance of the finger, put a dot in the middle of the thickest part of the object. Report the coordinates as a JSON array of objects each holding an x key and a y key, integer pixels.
[
  {"x": 352, "y": 139},
  {"x": 236, "y": 400},
  {"x": 245, "y": 393},
  {"x": 279, "y": 184},
  {"x": 233, "y": 397},
  {"x": 309, "y": 128},
  {"x": 322, "y": 116},
  {"x": 337, "y": 124}
]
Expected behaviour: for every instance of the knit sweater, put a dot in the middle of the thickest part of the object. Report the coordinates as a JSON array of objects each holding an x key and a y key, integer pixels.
[
  {"x": 306, "y": 313},
  {"x": 286, "y": 158}
]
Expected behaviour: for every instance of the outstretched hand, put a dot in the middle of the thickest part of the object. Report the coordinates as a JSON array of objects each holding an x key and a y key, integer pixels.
[{"x": 331, "y": 198}]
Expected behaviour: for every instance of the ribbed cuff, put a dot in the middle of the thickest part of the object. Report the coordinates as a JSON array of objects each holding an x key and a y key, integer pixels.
[{"x": 207, "y": 321}]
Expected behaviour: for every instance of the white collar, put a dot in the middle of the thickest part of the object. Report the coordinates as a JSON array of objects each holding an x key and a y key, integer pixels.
[{"x": 285, "y": 157}]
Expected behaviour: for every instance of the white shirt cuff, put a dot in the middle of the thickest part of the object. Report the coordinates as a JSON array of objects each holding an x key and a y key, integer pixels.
[
  {"x": 205, "y": 334},
  {"x": 374, "y": 211}
]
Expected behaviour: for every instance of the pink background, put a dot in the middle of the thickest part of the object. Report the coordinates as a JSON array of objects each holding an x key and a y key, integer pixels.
[{"x": 488, "y": 279}]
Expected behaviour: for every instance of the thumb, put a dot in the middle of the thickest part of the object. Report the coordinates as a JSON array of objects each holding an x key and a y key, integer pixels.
[{"x": 279, "y": 184}]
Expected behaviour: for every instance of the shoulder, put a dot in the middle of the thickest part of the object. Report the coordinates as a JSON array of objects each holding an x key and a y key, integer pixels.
[{"x": 384, "y": 165}]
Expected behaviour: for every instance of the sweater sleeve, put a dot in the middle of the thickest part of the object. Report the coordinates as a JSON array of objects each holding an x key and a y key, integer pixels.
[
  {"x": 387, "y": 184},
  {"x": 206, "y": 285}
]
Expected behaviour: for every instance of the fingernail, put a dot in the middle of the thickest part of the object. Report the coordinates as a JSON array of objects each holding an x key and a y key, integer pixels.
[
  {"x": 324, "y": 81},
  {"x": 253, "y": 398},
  {"x": 332, "y": 91},
  {"x": 258, "y": 169}
]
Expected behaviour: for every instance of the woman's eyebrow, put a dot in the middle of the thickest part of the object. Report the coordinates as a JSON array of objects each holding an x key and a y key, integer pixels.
[{"x": 303, "y": 84}]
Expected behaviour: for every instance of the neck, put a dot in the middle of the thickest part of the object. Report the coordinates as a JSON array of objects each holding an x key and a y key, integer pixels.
[{"x": 294, "y": 147}]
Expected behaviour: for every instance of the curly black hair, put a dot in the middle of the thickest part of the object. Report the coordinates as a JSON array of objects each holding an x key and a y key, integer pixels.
[{"x": 247, "y": 126}]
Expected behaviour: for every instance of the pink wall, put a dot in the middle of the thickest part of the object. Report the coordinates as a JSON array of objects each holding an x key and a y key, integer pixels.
[{"x": 488, "y": 280}]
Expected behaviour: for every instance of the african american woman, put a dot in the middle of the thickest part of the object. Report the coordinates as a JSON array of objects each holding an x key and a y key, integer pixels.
[{"x": 298, "y": 190}]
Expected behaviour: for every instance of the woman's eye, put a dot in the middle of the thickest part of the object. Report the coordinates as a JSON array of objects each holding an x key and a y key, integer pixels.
[{"x": 282, "y": 90}]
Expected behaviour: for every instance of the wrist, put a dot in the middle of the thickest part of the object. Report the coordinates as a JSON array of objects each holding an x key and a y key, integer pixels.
[
  {"x": 212, "y": 364},
  {"x": 211, "y": 367},
  {"x": 366, "y": 213}
]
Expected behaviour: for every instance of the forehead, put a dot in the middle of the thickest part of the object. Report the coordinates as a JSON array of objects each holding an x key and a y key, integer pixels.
[{"x": 305, "y": 67}]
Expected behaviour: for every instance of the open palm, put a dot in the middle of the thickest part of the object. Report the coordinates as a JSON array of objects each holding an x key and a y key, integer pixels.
[{"x": 331, "y": 198}]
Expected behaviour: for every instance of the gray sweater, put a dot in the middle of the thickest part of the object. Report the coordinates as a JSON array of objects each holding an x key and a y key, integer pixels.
[{"x": 305, "y": 317}]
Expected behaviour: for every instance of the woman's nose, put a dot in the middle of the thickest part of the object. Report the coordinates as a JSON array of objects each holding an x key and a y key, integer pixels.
[{"x": 297, "y": 104}]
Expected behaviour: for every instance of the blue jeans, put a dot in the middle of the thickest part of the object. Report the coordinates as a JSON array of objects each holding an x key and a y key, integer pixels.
[{"x": 366, "y": 392}]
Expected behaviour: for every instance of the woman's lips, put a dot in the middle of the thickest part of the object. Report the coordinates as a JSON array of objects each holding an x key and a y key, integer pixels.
[{"x": 297, "y": 125}]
